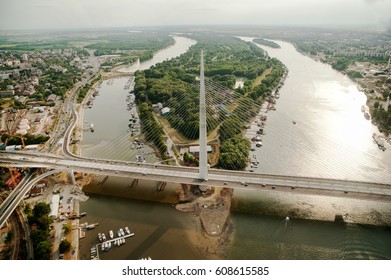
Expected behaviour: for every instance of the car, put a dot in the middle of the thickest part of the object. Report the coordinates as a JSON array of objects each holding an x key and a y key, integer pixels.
[
  {"x": 116, "y": 172},
  {"x": 101, "y": 169},
  {"x": 225, "y": 183},
  {"x": 144, "y": 174}
]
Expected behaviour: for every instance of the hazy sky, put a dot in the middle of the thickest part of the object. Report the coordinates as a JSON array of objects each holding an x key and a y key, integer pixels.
[{"x": 53, "y": 14}]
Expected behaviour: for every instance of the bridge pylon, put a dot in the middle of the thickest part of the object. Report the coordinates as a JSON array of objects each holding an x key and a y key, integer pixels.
[{"x": 203, "y": 156}]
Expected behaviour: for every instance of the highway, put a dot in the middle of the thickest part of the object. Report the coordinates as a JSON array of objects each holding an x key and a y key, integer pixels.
[{"x": 189, "y": 175}]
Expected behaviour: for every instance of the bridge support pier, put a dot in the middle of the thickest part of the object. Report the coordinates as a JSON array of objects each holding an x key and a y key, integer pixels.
[
  {"x": 134, "y": 183},
  {"x": 160, "y": 186},
  {"x": 72, "y": 177}
]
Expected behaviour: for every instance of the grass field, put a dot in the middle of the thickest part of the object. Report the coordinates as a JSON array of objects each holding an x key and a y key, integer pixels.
[{"x": 259, "y": 79}]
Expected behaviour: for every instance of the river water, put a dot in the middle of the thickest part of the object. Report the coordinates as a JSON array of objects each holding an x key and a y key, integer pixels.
[
  {"x": 331, "y": 137},
  {"x": 257, "y": 228}
]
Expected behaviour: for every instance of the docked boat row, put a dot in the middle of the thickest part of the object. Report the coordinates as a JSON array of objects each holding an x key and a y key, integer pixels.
[
  {"x": 118, "y": 242},
  {"x": 94, "y": 253},
  {"x": 121, "y": 233}
]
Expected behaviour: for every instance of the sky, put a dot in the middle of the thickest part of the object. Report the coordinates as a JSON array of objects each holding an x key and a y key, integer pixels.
[{"x": 71, "y": 14}]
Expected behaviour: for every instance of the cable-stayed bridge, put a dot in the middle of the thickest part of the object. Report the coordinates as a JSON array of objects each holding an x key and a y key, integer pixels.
[
  {"x": 212, "y": 108},
  {"x": 190, "y": 175}
]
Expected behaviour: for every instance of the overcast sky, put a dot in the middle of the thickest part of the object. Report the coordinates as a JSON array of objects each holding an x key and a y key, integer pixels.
[{"x": 54, "y": 14}]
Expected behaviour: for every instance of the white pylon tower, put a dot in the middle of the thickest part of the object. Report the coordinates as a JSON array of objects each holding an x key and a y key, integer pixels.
[{"x": 203, "y": 157}]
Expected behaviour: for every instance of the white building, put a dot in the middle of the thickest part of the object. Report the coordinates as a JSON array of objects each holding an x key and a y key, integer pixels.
[{"x": 54, "y": 206}]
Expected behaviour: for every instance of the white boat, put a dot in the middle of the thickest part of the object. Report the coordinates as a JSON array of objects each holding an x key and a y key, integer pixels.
[
  {"x": 122, "y": 231},
  {"x": 103, "y": 246},
  {"x": 103, "y": 237},
  {"x": 127, "y": 230},
  {"x": 100, "y": 237},
  {"x": 119, "y": 233},
  {"x": 111, "y": 233},
  {"x": 123, "y": 240}
]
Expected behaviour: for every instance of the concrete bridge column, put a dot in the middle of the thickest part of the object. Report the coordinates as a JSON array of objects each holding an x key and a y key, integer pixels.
[{"x": 72, "y": 177}]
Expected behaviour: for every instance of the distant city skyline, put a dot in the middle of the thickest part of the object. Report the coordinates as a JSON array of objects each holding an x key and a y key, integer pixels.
[{"x": 73, "y": 14}]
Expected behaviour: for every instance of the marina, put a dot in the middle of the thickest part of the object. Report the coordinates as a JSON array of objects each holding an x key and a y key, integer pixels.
[{"x": 105, "y": 245}]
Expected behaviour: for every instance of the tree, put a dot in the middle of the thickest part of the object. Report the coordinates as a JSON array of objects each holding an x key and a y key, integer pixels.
[
  {"x": 67, "y": 228},
  {"x": 64, "y": 246},
  {"x": 41, "y": 209},
  {"x": 43, "y": 250}
]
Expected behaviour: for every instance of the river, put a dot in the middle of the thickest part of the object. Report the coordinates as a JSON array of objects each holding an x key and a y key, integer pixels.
[
  {"x": 257, "y": 228},
  {"x": 330, "y": 137}
]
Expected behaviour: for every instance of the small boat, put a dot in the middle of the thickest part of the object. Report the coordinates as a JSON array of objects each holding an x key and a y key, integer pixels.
[
  {"x": 127, "y": 230},
  {"x": 100, "y": 237},
  {"x": 123, "y": 240},
  {"x": 111, "y": 233},
  {"x": 119, "y": 233},
  {"x": 122, "y": 231},
  {"x": 103, "y": 237}
]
